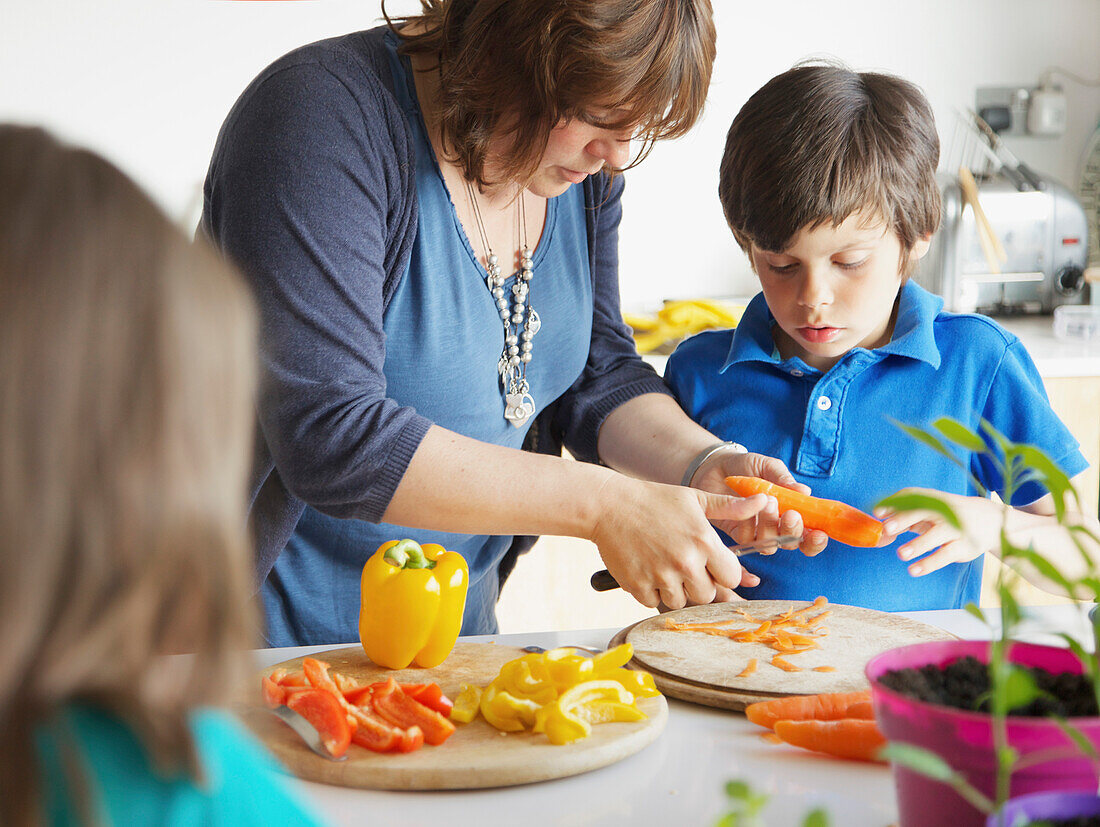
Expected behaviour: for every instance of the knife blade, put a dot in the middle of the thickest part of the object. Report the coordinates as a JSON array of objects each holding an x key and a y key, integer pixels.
[{"x": 602, "y": 581}]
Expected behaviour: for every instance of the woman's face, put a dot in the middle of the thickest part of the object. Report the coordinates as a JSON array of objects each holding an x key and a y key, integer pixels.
[{"x": 576, "y": 149}]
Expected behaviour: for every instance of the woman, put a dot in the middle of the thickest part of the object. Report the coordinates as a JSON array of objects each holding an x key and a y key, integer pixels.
[
  {"x": 126, "y": 382},
  {"x": 371, "y": 186}
]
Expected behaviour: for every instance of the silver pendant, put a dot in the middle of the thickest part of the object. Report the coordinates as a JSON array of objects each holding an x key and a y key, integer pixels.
[
  {"x": 518, "y": 407},
  {"x": 533, "y": 321}
]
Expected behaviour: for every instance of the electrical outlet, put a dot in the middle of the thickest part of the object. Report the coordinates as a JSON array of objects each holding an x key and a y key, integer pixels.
[{"x": 1004, "y": 108}]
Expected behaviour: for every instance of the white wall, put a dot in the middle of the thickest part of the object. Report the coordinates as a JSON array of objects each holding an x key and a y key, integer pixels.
[{"x": 147, "y": 83}]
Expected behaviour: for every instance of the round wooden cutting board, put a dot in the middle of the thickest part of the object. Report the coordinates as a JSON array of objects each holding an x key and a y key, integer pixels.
[
  {"x": 476, "y": 756},
  {"x": 704, "y": 668}
]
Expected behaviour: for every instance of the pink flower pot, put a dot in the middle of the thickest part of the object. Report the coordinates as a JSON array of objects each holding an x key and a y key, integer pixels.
[{"x": 965, "y": 739}]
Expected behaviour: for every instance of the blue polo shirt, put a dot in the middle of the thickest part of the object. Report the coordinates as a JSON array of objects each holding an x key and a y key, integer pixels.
[{"x": 833, "y": 431}]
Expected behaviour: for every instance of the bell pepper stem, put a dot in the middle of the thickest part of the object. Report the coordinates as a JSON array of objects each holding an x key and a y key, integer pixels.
[{"x": 407, "y": 554}]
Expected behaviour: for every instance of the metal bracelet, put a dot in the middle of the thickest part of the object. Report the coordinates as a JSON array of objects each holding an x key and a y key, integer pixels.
[{"x": 707, "y": 453}]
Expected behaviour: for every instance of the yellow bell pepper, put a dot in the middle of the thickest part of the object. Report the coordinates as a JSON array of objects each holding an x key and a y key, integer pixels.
[{"x": 411, "y": 603}]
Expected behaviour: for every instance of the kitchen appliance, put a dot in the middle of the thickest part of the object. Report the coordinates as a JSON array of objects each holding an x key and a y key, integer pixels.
[{"x": 1044, "y": 235}]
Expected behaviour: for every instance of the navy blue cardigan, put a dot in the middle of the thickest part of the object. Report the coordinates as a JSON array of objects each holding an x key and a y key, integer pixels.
[{"x": 311, "y": 192}]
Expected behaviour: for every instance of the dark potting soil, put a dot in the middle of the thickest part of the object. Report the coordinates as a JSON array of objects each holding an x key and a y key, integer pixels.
[
  {"x": 964, "y": 684},
  {"x": 1077, "y": 821}
]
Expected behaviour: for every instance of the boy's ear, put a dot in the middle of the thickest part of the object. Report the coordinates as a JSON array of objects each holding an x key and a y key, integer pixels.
[{"x": 920, "y": 247}]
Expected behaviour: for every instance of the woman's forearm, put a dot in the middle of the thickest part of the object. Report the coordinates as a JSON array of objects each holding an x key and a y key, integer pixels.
[
  {"x": 652, "y": 438},
  {"x": 455, "y": 483}
]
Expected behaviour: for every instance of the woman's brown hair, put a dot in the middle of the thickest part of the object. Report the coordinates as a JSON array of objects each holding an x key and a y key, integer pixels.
[
  {"x": 516, "y": 68},
  {"x": 820, "y": 143},
  {"x": 126, "y": 380}
]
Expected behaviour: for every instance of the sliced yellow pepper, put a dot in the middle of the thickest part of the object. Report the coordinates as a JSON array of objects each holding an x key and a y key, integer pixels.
[
  {"x": 411, "y": 603},
  {"x": 570, "y": 717},
  {"x": 505, "y": 711},
  {"x": 466, "y": 704}
]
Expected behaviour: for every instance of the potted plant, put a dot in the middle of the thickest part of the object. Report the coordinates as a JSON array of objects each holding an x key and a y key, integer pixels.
[{"x": 972, "y": 723}]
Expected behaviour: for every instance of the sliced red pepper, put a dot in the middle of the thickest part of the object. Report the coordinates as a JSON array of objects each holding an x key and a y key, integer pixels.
[
  {"x": 273, "y": 694},
  {"x": 326, "y": 715},
  {"x": 360, "y": 696},
  {"x": 391, "y": 703},
  {"x": 431, "y": 695},
  {"x": 379, "y": 735}
]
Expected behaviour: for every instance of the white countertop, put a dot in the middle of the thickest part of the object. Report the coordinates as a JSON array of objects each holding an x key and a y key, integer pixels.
[
  {"x": 680, "y": 778},
  {"x": 1053, "y": 357}
]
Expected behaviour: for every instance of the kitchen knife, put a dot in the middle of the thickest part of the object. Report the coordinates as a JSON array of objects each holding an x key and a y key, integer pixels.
[{"x": 602, "y": 581}]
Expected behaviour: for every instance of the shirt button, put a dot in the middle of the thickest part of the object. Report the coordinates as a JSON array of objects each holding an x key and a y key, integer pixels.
[
  {"x": 824, "y": 403},
  {"x": 796, "y": 372}
]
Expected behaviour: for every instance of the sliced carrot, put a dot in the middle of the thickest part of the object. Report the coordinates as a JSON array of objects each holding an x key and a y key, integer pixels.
[
  {"x": 854, "y": 738},
  {"x": 861, "y": 710},
  {"x": 824, "y": 668},
  {"x": 839, "y": 520},
  {"x": 785, "y": 665},
  {"x": 750, "y": 667},
  {"x": 770, "y": 737},
  {"x": 827, "y": 706}
]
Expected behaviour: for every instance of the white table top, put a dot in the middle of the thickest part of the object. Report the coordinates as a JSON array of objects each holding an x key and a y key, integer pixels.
[{"x": 680, "y": 778}]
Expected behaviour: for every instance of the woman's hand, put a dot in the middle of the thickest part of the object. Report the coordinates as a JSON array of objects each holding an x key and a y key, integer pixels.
[
  {"x": 768, "y": 523},
  {"x": 981, "y": 521},
  {"x": 658, "y": 542}
]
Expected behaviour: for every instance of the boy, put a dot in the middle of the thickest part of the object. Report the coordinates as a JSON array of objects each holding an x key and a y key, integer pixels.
[{"x": 828, "y": 183}]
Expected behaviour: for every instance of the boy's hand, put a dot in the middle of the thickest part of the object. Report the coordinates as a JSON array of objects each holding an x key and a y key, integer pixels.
[
  {"x": 768, "y": 523},
  {"x": 980, "y": 518}
]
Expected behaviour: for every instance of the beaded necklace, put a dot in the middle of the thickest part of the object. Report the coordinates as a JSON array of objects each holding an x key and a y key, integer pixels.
[{"x": 520, "y": 320}]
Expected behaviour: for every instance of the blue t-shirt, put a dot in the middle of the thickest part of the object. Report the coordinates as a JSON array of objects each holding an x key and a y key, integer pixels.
[
  {"x": 443, "y": 340},
  {"x": 241, "y": 783},
  {"x": 833, "y": 431}
]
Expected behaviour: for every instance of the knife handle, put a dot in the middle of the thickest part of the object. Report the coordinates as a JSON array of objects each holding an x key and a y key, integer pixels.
[{"x": 602, "y": 581}]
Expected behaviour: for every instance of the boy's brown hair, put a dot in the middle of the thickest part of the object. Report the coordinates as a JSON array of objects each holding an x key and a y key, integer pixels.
[
  {"x": 820, "y": 143},
  {"x": 516, "y": 68},
  {"x": 127, "y": 363}
]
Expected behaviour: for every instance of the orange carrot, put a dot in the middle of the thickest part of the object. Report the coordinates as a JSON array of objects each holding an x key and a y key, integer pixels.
[
  {"x": 750, "y": 667},
  {"x": 839, "y": 520},
  {"x": 824, "y": 668},
  {"x": 828, "y": 706},
  {"x": 855, "y": 738},
  {"x": 785, "y": 665}
]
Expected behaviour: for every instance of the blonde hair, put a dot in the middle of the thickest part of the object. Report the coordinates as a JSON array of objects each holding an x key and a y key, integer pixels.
[
  {"x": 126, "y": 380},
  {"x": 516, "y": 68}
]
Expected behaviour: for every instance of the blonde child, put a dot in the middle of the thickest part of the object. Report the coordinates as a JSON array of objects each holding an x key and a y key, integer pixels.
[
  {"x": 126, "y": 378},
  {"x": 828, "y": 183}
]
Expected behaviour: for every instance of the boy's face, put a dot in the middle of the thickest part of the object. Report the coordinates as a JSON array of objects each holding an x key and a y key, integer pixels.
[{"x": 834, "y": 288}]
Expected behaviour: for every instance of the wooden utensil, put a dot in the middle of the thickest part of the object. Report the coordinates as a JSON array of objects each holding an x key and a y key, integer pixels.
[
  {"x": 477, "y": 755},
  {"x": 992, "y": 248},
  {"x": 706, "y": 669}
]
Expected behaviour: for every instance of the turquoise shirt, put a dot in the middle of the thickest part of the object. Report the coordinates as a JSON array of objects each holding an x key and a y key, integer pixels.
[
  {"x": 242, "y": 784},
  {"x": 833, "y": 431},
  {"x": 443, "y": 339}
]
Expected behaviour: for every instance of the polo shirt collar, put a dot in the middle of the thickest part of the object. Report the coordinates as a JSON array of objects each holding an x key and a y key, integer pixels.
[{"x": 914, "y": 334}]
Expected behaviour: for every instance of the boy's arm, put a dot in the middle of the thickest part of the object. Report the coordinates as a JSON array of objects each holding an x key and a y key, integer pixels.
[{"x": 982, "y": 520}]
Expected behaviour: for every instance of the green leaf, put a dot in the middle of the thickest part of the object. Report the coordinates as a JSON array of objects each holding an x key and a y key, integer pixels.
[
  {"x": 958, "y": 433},
  {"x": 816, "y": 818},
  {"x": 930, "y": 765},
  {"x": 973, "y": 609},
  {"x": 1079, "y": 738},
  {"x": 1020, "y": 688},
  {"x": 1045, "y": 568},
  {"x": 927, "y": 438},
  {"x": 738, "y": 790},
  {"x": 918, "y": 759},
  {"x": 921, "y": 502}
]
